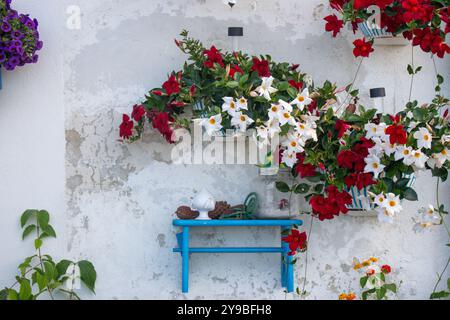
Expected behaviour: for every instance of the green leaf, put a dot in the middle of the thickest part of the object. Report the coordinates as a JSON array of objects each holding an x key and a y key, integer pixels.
[
  {"x": 28, "y": 230},
  {"x": 316, "y": 178},
  {"x": 38, "y": 243},
  {"x": 25, "y": 290},
  {"x": 13, "y": 294},
  {"x": 43, "y": 218},
  {"x": 381, "y": 293},
  {"x": 410, "y": 69},
  {"x": 301, "y": 188},
  {"x": 50, "y": 270},
  {"x": 439, "y": 295},
  {"x": 62, "y": 266},
  {"x": 232, "y": 84},
  {"x": 49, "y": 231},
  {"x": 283, "y": 86},
  {"x": 282, "y": 186},
  {"x": 448, "y": 283},
  {"x": 402, "y": 183},
  {"x": 410, "y": 194},
  {"x": 4, "y": 294},
  {"x": 88, "y": 274},
  {"x": 41, "y": 280},
  {"x": 26, "y": 216},
  {"x": 363, "y": 281},
  {"x": 391, "y": 286}
]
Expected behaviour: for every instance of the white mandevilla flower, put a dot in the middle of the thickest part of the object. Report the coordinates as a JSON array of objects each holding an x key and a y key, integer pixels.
[
  {"x": 294, "y": 144},
  {"x": 404, "y": 153},
  {"x": 286, "y": 117},
  {"x": 289, "y": 158},
  {"x": 266, "y": 89},
  {"x": 305, "y": 131},
  {"x": 373, "y": 164},
  {"x": 392, "y": 204},
  {"x": 419, "y": 159},
  {"x": 426, "y": 218},
  {"x": 443, "y": 156},
  {"x": 273, "y": 127},
  {"x": 437, "y": 160},
  {"x": 389, "y": 148},
  {"x": 308, "y": 80},
  {"x": 384, "y": 216},
  {"x": 229, "y": 106},
  {"x": 378, "y": 148},
  {"x": 424, "y": 138},
  {"x": 262, "y": 136},
  {"x": 242, "y": 103},
  {"x": 241, "y": 121},
  {"x": 380, "y": 200},
  {"x": 213, "y": 124},
  {"x": 302, "y": 99},
  {"x": 375, "y": 130},
  {"x": 285, "y": 106},
  {"x": 274, "y": 111}
]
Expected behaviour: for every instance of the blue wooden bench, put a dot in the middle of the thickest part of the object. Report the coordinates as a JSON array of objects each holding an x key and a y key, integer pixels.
[{"x": 287, "y": 270}]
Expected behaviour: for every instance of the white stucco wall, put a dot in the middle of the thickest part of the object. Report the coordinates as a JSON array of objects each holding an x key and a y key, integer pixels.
[{"x": 113, "y": 203}]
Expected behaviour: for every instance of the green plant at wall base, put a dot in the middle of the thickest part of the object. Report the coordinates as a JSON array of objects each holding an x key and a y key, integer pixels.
[{"x": 39, "y": 273}]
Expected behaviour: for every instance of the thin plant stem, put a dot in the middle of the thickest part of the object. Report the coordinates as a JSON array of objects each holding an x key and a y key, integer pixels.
[
  {"x": 440, "y": 276},
  {"x": 306, "y": 255},
  {"x": 42, "y": 265},
  {"x": 439, "y": 205},
  {"x": 351, "y": 84},
  {"x": 412, "y": 74}
]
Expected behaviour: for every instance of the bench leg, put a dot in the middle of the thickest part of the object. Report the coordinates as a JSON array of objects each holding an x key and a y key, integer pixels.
[
  {"x": 185, "y": 260},
  {"x": 290, "y": 274},
  {"x": 283, "y": 260},
  {"x": 287, "y": 268}
]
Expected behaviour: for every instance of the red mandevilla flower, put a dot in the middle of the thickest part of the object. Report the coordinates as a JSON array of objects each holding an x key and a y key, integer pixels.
[
  {"x": 333, "y": 24},
  {"x": 214, "y": 56},
  {"x": 138, "y": 112},
  {"x": 304, "y": 169},
  {"x": 341, "y": 126},
  {"x": 351, "y": 160},
  {"x": 327, "y": 208},
  {"x": 171, "y": 86},
  {"x": 296, "y": 241},
  {"x": 362, "y": 48},
  {"x": 360, "y": 180},
  {"x": 261, "y": 66},
  {"x": 362, "y": 4},
  {"x": 296, "y": 85},
  {"x": 386, "y": 269},
  {"x": 235, "y": 68},
  {"x": 192, "y": 90},
  {"x": 126, "y": 127},
  {"x": 160, "y": 122},
  {"x": 397, "y": 134}
]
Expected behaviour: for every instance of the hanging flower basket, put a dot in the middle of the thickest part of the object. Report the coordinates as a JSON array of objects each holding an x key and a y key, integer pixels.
[
  {"x": 381, "y": 36},
  {"x": 359, "y": 207}
]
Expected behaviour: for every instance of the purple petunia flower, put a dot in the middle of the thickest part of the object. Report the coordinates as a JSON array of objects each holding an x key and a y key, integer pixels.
[
  {"x": 19, "y": 38},
  {"x": 6, "y": 27}
]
